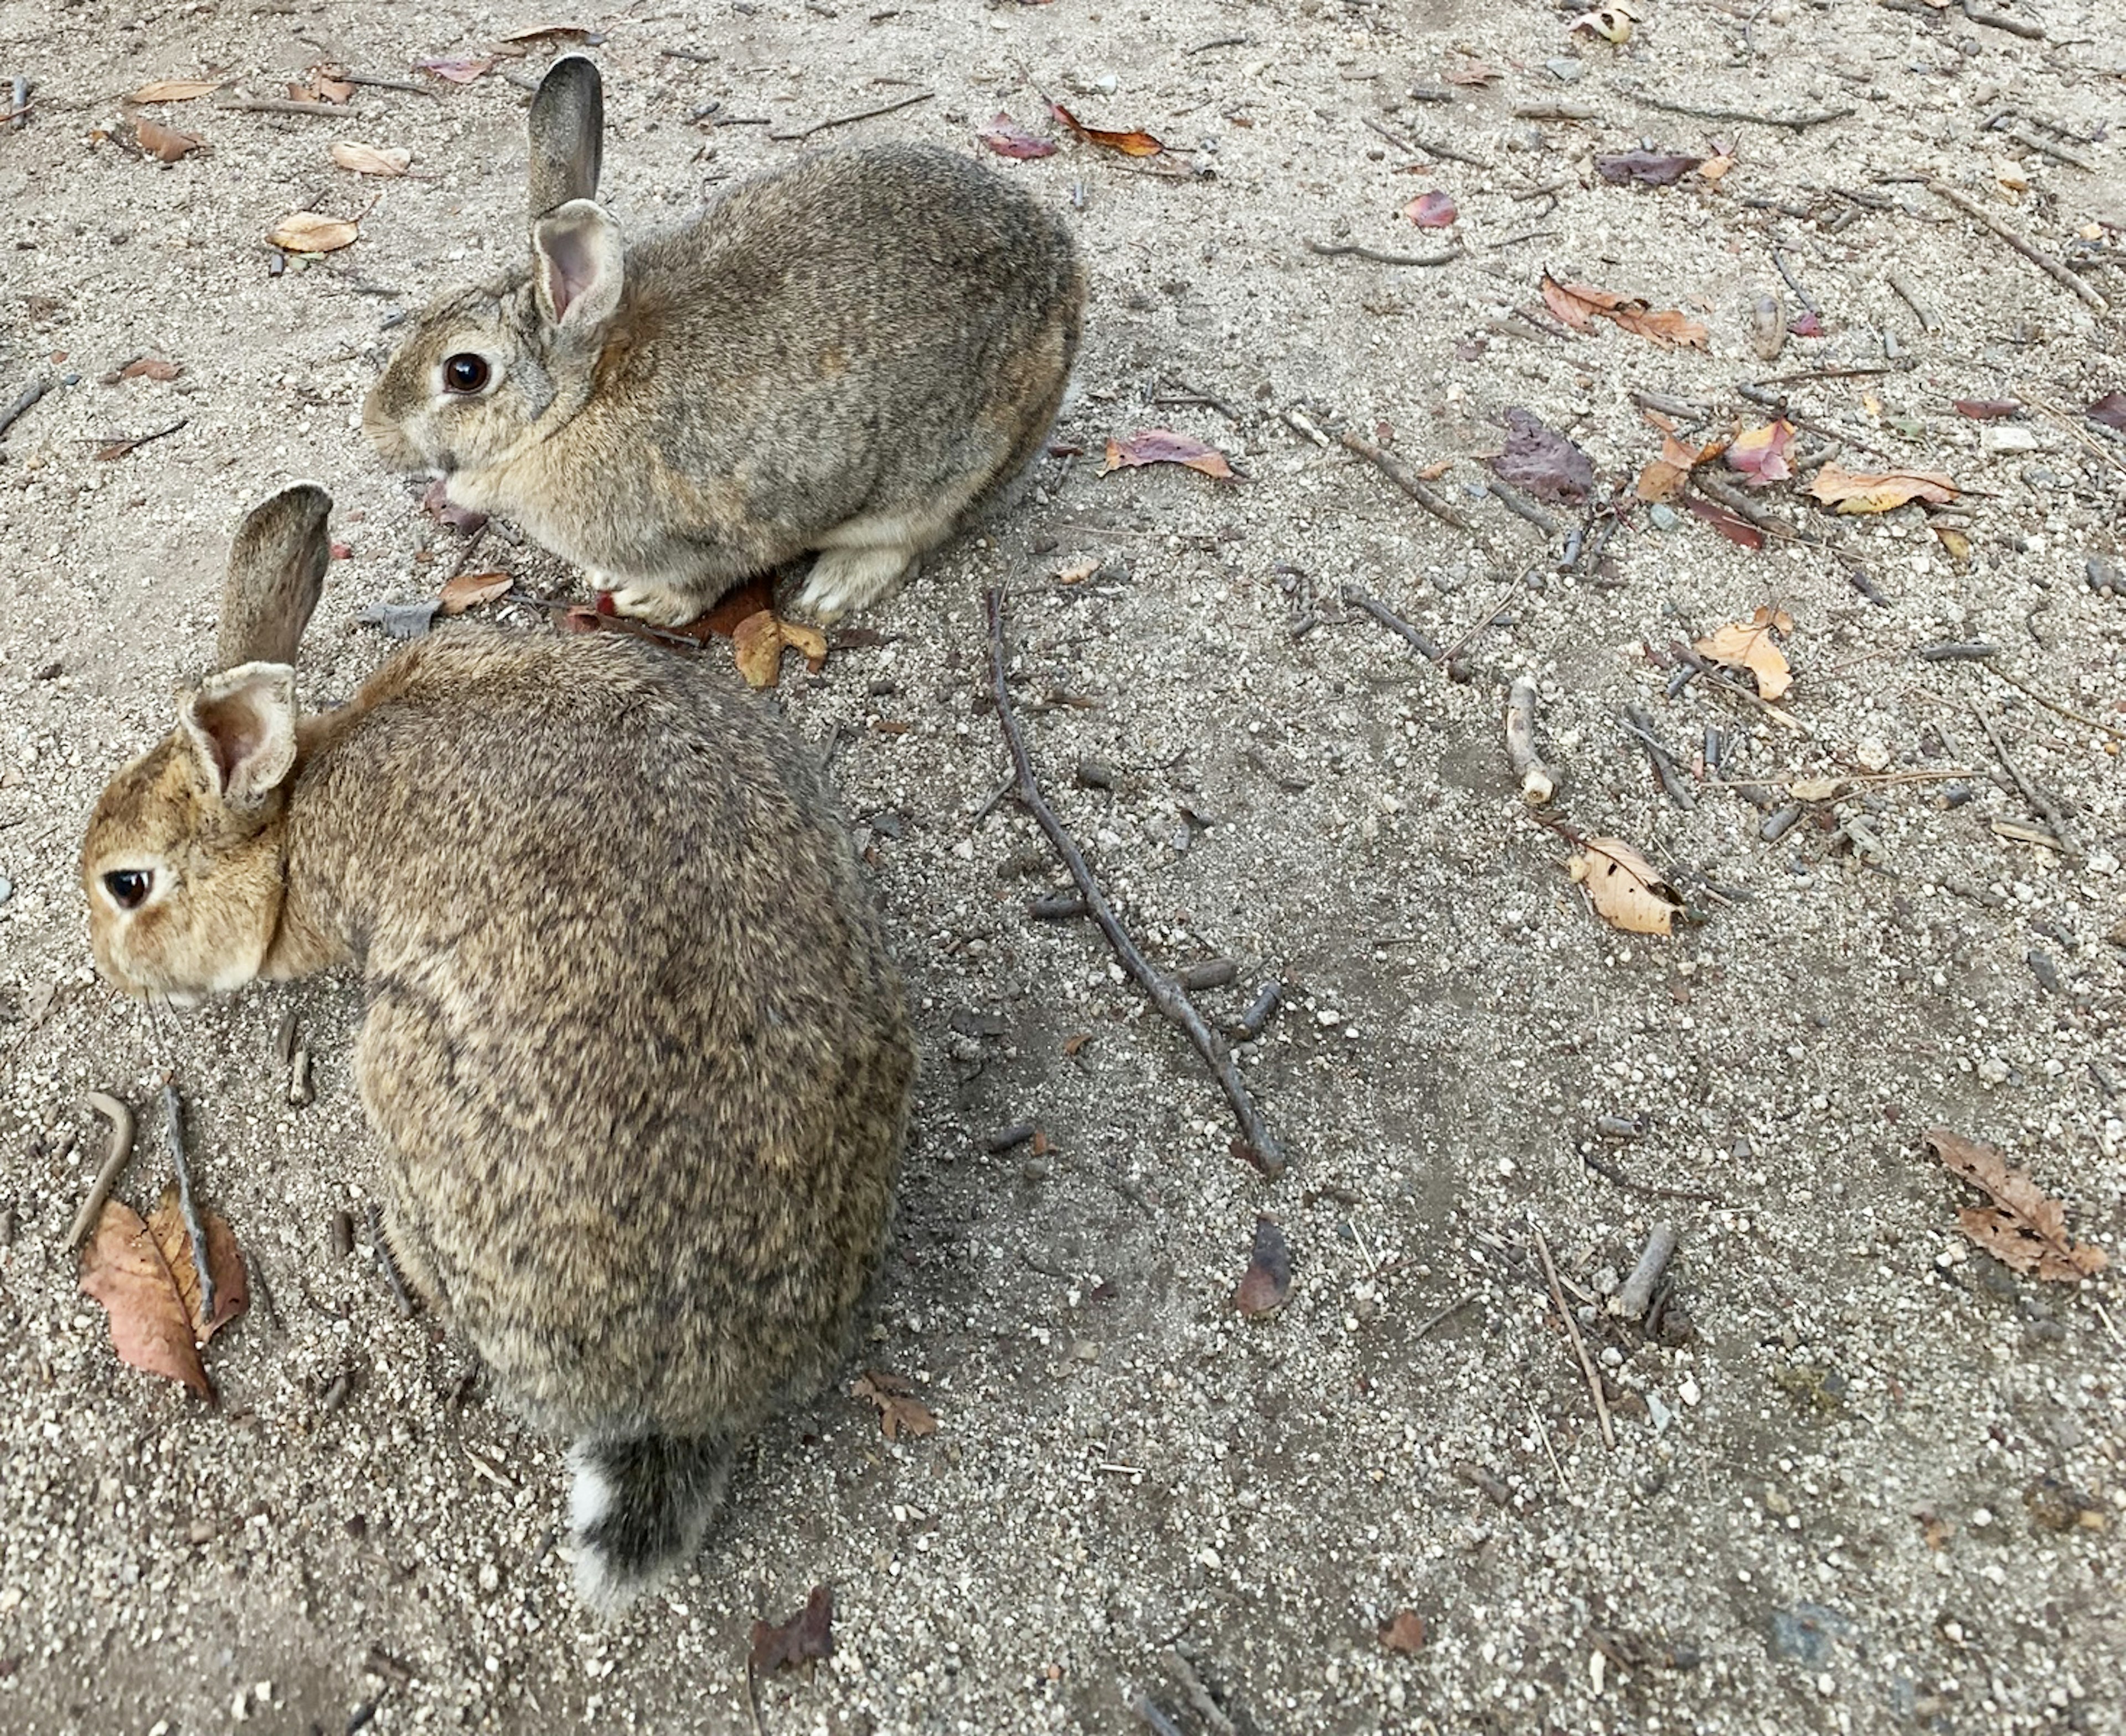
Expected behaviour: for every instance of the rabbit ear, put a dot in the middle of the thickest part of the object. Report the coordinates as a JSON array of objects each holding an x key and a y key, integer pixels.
[
  {"x": 277, "y": 573},
  {"x": 241, "y": 729},
  {"x": 579, "y": 266},
  {"x": 568, "y": 136}
]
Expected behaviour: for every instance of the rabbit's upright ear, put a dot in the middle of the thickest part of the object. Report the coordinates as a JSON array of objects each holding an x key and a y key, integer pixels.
[
  {"x": 577, "y": 268},
  {"x": 568, "y": 136},
  {"x": 240, "y": 727},
  {"x": 277, "y": 573}
]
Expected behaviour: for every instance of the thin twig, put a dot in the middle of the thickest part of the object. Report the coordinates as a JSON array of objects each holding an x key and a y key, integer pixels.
[
  {"x": 1579, "y": 1345},
  {"x": 1708, "y": 111},
  {"x": 1638, "y": 1290},
  {"x": 2041, "y": 805},
  {"x": 1504, "y": 602},
  {"x": 869, "y": 114},
  {"x": 1521, "y": 508},
  {"x": 2044, "y": 261},
  {"x": 1900, "y": 279},
  {"x": 24, "y": 399},
  {"x": 1352, "y": 250},
  {"x": 1538, "y": 785},
  {"x": 1553, "y": 110},
  {"x": 173, "y": 1136},
  {"x": 283, "y": 105},
  {"x": 110, "y": 451},
  {"x": 1392, "y": 621},
  {"x": 1398, "y": 473},
  {"x": 2027, "y": 28},
  {"x": 380, "y": 1250},
  {"x": 378, "y": 81},
  {"x": 1713, "y": 488},
  {"x": 1166, "y": 994},
  {"x": 2054, "y": 706},
  {"x": 1637, "y": 721},
  {"x": 2032, "y": 139},
  {"x": 1205, "y": 48},
  {"x": 121, "y": 1118}
]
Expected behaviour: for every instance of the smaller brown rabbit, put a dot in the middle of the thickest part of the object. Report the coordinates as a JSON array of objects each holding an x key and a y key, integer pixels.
[
  {"x": 638, "y": 1054},
  {"x": 849, "y": 355}
]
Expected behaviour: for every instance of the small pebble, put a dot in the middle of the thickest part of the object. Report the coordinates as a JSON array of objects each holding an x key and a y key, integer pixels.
[
  {"x": 7, "y": 889},
  {"x": 1566, "y": 70},
  {"x": 343, "y": 1234}
]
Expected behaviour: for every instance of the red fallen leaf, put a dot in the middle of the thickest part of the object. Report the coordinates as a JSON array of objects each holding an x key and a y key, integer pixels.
[
  {"x": 151, "y": 367},
  {"x": 143, "y": 1275},
  {"x": 1404, "y": 1632},
  {"x": 1760, "y": 454},
  {"x": 1267, "y": 1282},
  {"x": 2110, "y": 410},
  {"x": 468, "y": 590},
  {"x": 1989, "y": 409},
  {"x": 1543, "y": 461},
  {"x": 1730, "y": 525},
  {"x": 459, "y": 69},
  {"x": 437, "y": 504},
  {"x": 1138, "y": 143},
  {"x": 1648, "y": 168},
  {"x": 1163, "y": 446},
  {"x": 1431, "y": 211},
  {"x": 164, "y": 144},
  {"x": 342, "y": 551},
  {"x": 807, "y": 1636},
  {"x": 1008, "y": 139},
  {"x": 1807, "y": 325}
]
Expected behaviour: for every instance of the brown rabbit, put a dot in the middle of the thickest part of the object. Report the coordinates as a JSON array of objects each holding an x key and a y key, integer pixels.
[
  {"x": 638, "y": 1056},
  {"x": 848, "y": 354}
]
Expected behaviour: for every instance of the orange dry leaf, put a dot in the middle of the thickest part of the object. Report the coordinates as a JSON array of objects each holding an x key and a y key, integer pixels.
[
  {"x": 1851, "y": 491},
  {"x": 1163, "y": 446},
  {"x": 758, "y": 642},
  {"x": 1626, "y": 889},
  {"x": 372, "y": 159},
  {"x": 900, "y": 1411},
  {"x": 1473, "y": 74},
  {"x": 1136, "y": 144},
  {"x": 164, "y": 144},
  {"x": 1748, "y": 645},
  {"x": 1580, "y": 305},
  {"x": 173, "y": 90},
  {"x": 1404, "y": 1632},
  {"x": 467, "y": 590},
  {"x": 1663, "y": 480},
  {"x": 306, "y": 231},
  {"x": 2023, "y": 1227},
  {"x": 143, "y": 1275}
]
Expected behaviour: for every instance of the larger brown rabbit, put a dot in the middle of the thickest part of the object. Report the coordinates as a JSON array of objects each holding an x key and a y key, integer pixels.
[
  {"x": 639, "y": 1059},
  {"x": 848, "y": 354}
]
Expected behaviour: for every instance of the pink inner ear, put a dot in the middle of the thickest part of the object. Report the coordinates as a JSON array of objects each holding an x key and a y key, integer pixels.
[
  {"x": 236, "y": 731},
  {"x": 571, "y": 265}
]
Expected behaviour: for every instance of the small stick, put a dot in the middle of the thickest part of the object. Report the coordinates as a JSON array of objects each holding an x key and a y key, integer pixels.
[
  {"x": 1706, "y": 672},
  {"x": 1521, "y": 508},
  {"x": 1249, "y": 1025},
  {"x": 1167, "y": 995},
  {"x": 1900, "y": 279},
  {"x": 869, "y": 114},
  {"x": 381, "y": 1250},
  {"x": 1207, "y": 1708},
  {"x": 284, "y": 106},
  {"x": 1739, "y": 503},
  {"x": 1396, "y": 472},
  {"x": 1954, "y": 654},
  {"x": 2028, "y": 29},
  {"x": 1794, "y": 283},
  {"x": 1542, "y": 1434},
  {"x": 2036, "y": 141},
  {"x": 378, "y": 81},
  {"x": 2045, "y": 261},
  {"x": 1301, "y": 426},
  {"x": 1503, "y": 603},
  {"x": 1553, "y": 111},
  {"x": 2051, "y": 705},
  {"x": 689, "y": 53},
  {"x": 1537, "y": 786},
  {"x": 1810, "y": 117},
  {"x": 1680, "y": 408},
  {"x": 1211, "y": 399},
  {"x": 1392, "y": 621},
  {"x": 1205, "y": 48},
  {"x": 1638, "y": 1291},
  {"x": 112, "y": 450},
  {"x": 1637, "y": 721},
  {"x": 28, "y": 396},
  {"x": 1354, "y": 251},
  {"x": 173, "y": 1136},
  {"x": 1579, "y": 1346},
  {"x": 1161, "y": 1724},
  {"x": 114, "y": 1165},
  {"x": 2041, "y": 805}
]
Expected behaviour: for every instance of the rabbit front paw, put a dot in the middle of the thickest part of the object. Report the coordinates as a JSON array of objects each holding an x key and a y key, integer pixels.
[
  {"x": 844, "y": 580},
  {"x": 661, "y": 605}
]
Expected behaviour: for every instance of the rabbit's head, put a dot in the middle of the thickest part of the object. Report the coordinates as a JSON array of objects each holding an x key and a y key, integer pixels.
[
  {"x": 482, "y": 364},
  {"x": 182, "y": 864}
]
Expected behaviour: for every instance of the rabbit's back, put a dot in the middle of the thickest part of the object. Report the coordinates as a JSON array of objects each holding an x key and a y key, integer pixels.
[{"x": 634, "y": 1036}]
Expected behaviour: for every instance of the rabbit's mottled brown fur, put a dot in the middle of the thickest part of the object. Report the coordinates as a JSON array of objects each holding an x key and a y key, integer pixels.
[
  {"x": 636, "y": 1046},
  {"x": 847, "y": 355}
]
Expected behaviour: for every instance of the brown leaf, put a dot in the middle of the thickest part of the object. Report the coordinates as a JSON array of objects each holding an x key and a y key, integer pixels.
[
  {"x": 1991, "y": 409},
  {"x": 1648, "y": 168},
  {"x": 1404, "y": 1631},
  {"x": 1471, "y": 74},
  {"x": 468, "y": 590},
  {"x": 1626, "y": 889},
  {"x": 1850, "y": 491},
  {"x": 1748, "y": 645},
  {"x": 2109, "y": 410},
  {"x": 1580, "y": 305},
  {"x": 232, "y": 1295},
  {"x": 806, "y": 1637},
  {"x": 1760, "y": 454},
  {"x": 757, "y": 649},
  {"x": 1008, "y": 139},
  {"x": 2024, "y": 1228},
  {"x": 1138, "y": 143},
  {"x": 372, "y": 159},
  {"x": 173, "y": 90},
  {"x": 1729, "y": 523},
  {"x": 558, "y": 32},
  {"x": 1076, "y": 1041},
  {"x": 1431, "y": 211},
  {"x": 459, "y": 69},
  {"x": 1163, "y": 446},
  {"x": 900, "y": 1411},
  {"x": 164, "y": 144},
  {"x": 1542, "y": 461},
  {"x": 1267, "y": 1282},
  {"x": 151, "y": 367},
  {"x": 143, "y": 1274},
  {"x": 1663, "y": 480},
  {"x": 306, "y": 232}
]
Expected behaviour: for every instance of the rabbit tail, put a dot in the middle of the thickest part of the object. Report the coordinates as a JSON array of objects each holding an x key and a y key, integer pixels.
[{"x": 637, "y": 1507}]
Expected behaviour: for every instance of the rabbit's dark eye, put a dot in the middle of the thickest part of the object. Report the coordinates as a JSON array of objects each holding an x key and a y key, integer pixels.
[
  {"x": 128, "y": 887},
  {"x": 466, "y": 373}
]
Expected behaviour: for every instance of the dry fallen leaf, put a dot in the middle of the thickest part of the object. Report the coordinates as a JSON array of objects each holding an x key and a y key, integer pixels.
[
  {"x": 1987, "y": 409},
  {"x": 1136, "y": 144},
  {"x": 164, "y": 144},
  {"x": 1663, "y": 480},
  {"x": 1266, "y": 1283},
  {"x": 1760, "y": 454},
  {"x": 1471, "y": 74},
  {"x": 1007, "y": 138},
  {"x": 468, "y": 590},
  {"x": 1580, "y": 305},
  {"x": 1748, "y": 645},
  {"x": 1850, "y": 491},
  {"x": 1626, "y": 889},
  {"x": 1431, "y": 211},
  {"x": 1648, "y": 168},
  {"x": 2109, "y": 410},
  {"x": 173, "y": 90},
  {"x": 1404, "y": 1632},
  {"x": 1613, "y": 23},
  {"x": 900, "y": 1411},
  {"x": 1954, "y": 544},
  {"x": 807, "y": 1636},
  {"x": 306, "y": 231},
  {"x": 460, "y": 70},
  {"x": 1714, "y": 167},
  {"x": 372, "y": 159},
  {"x": 1728, "y": 523},
  {"x": 151, "y": 367},
  {"x": 1163, "y": 446},
  {"x": 1543, "y": 461},
  {"x": 758, "y": 642},
  {"x": 143, "y": 1275},
  {"x": 2024, "y": 1228}
]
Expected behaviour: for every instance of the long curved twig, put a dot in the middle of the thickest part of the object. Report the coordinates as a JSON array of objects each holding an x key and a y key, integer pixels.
[
  {"x": 1166, "y": 994},
  {"x": 121, "y": 1118}
]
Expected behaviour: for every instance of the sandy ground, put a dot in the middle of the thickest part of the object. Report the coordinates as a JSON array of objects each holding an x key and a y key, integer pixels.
[{"x": 1864, "y": 1479}]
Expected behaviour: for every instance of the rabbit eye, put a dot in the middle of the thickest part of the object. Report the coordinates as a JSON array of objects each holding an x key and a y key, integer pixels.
[
  {"x": 128, "y": 887},
  {"x": 466, "y": 373}
]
